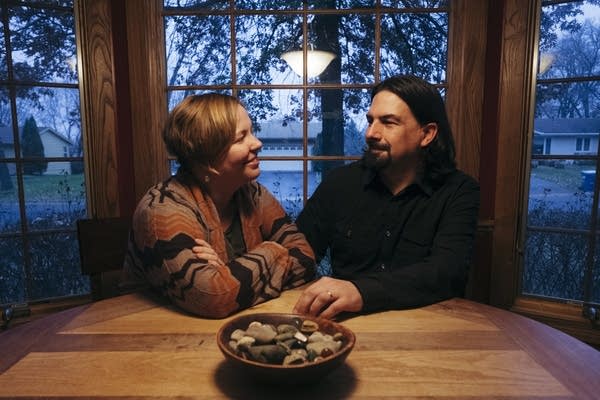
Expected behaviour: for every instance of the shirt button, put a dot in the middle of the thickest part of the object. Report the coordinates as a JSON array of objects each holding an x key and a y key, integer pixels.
[
  {"x": 388, "y": 233},
  {"x": 382, "y": 266}
]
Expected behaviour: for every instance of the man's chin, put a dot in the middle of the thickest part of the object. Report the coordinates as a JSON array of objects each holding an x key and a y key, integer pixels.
[{"x": 375, "y": 159}]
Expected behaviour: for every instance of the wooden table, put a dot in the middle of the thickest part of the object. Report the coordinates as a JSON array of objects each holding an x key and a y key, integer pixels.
[{"x": 134, "y": 346}]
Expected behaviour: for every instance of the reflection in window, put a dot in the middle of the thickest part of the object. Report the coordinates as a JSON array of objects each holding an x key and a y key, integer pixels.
[{"x": 562, "y": 227}]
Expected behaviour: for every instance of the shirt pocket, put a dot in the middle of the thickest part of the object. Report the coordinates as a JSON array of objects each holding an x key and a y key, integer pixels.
[{"x": 413, "y": 247}]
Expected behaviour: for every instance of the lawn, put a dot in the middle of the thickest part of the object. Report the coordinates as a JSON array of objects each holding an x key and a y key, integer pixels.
[
  {"x": 568, "y": 177},
  {"x": 47, "y": 188}
]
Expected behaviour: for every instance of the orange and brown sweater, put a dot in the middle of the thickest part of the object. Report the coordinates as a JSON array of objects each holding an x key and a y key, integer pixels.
[{"x": 173, "y": 213}]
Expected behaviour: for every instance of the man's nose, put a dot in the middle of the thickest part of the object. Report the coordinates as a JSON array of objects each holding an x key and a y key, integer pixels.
[{"x": 373, "y": 131}]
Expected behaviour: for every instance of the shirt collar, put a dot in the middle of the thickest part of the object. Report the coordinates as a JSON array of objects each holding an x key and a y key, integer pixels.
[{"x": 369, "y": 178}]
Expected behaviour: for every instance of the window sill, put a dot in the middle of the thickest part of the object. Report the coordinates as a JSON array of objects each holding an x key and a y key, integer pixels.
[
  {"x": 562, "y": 316},
  {"x": 41, "y": 309}
]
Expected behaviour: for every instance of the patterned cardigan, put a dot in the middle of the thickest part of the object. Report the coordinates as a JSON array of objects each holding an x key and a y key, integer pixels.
[{"x": 173, "y": 213}]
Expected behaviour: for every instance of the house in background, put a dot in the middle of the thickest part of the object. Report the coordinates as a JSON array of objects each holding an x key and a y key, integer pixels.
[
  {"x": 566, "y": 136},
  {"x": 55, "y": 145},
  {"x": 284, "y": 139}
]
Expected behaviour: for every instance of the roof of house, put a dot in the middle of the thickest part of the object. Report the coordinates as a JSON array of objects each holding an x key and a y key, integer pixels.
[
  {"x": 279, "y": 130},
  {"x": 6, "y": 134},
  {"x": 566, "y": 126}
]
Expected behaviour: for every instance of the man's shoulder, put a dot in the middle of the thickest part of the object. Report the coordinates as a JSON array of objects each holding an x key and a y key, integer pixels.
[
  {"x": 459, "y": 177},
  {"x": 342, "y": 173}
]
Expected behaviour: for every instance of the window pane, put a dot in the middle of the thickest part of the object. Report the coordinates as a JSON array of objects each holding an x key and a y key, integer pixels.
[
  {"x": 568, "y": 40},
  {"x": 43, "y": 45},
  {"x": 569, "y": 100},
  {"x": 560, "y": 194},
  {"x": 10, "y": 218},
  {"x": 414, "y": 3},
  {"x": 55, "y": 112},
  {"x": 269, "y": 4},
  {"x": 414, "y": 44},
  {"x": 261, "y": 40},
  {"x": 275, "y": 106},
  {"x": 280, "y": 138},
  {"x": 555, "y": 265},
  {"x": 284, "y": 181},
  {"x": 56, "y": 268},
  {"x": 55, "y": 199},
  {"x": 594, "y": 285},
  {"x": 340, "y": 4},
  {"x": 199, "y": 4},
  {"x": 352, "y": 39},
  {"x": 566, "y": 136},
  {"x": 198, "y": 50},
  {"x": 341, "y": 114},
  {"x": 566, "y": 124},
  {"x": 175, "y": 97},
  {"x": 3, "y": 65},
  {"x": 12, "y": 274}
]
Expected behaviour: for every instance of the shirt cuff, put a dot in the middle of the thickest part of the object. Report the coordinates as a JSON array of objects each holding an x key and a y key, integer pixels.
[{"x": 373, "y": 294}]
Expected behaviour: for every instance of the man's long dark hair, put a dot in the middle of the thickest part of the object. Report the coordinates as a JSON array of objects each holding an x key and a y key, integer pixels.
[{"x": 427, "y": 106}]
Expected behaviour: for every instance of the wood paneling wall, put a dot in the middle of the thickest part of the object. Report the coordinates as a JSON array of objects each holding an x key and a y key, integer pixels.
[
  {"x": 98, "y": 106},
  {"x": 147, "y": 92}
]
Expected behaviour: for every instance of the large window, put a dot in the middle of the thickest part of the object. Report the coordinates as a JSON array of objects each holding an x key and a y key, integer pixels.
[
  {"x": 561, "y": 259},
  {"x": 308, "y": 121},
  {"x": 42, "y": 189}
]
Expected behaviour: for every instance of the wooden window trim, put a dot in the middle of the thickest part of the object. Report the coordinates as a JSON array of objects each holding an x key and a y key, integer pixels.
[{"x": 514, "y": 120}]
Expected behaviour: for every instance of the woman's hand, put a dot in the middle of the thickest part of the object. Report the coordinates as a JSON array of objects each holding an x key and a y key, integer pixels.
[
  {"x": 203, "y": 250},
  {"x": 328, "y": 297}
]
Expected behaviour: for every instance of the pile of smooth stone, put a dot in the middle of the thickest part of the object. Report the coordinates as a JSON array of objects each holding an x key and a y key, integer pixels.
[{"x": 284, "y": 344}]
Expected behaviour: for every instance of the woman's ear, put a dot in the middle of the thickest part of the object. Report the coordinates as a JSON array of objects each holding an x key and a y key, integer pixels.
[{"x": 430, "y": 131}]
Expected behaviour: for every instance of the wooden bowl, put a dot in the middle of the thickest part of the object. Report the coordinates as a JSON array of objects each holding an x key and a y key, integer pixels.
[{"x": 285, "y": 374}]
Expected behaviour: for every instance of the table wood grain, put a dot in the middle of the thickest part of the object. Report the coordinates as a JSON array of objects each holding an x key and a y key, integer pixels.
[{"x": 137, "y": 346}]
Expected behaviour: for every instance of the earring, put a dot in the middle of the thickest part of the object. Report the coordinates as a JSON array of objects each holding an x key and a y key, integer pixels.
[{"x": 206, "y": 178}]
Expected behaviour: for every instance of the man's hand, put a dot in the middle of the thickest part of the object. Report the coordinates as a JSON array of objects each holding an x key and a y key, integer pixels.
[{"x": 328, "y": 297}]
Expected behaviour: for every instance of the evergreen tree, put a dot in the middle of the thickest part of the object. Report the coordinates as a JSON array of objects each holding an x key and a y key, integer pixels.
[
  {"x": 32, "y": 146},
  {"x": 5, "y": 181}
]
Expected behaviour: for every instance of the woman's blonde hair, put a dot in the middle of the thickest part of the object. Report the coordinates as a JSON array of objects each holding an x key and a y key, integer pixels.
[{"x": 201, "y": 128}]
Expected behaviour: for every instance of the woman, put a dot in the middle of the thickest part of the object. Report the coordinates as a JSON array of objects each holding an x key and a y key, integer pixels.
[{"x": 211, "y": 238}]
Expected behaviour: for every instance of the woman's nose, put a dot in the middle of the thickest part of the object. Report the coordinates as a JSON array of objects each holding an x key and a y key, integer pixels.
[{"x": 256, "y": 144}]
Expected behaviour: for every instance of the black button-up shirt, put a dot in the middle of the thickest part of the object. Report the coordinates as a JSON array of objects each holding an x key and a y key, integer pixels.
[{"x": 401, "y": 251}]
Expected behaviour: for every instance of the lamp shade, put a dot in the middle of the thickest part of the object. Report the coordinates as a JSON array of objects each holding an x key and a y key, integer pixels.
[
  {"x": 546, "y": 61},
  {"x": 317, "y": 61}
]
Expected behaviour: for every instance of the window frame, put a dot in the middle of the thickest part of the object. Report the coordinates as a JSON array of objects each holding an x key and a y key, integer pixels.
[
  {"x": 465, "y": 101},
  {"x": 516, "y": 84}
]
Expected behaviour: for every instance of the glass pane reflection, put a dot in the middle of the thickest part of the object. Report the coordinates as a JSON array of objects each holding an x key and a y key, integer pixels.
[
  {"x": 353, "y": 43},
  {"x": 261, "y": 40}
]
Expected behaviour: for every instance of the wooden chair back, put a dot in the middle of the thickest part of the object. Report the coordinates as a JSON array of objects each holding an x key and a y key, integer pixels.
[{"x": 102, "y": 249}]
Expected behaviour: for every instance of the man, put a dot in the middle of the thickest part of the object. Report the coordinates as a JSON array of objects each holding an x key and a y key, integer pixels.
[{"x": 399, "y": 224}]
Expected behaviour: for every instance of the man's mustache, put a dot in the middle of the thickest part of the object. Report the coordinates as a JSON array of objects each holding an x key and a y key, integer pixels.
[{"x": 375, "y": 146}]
